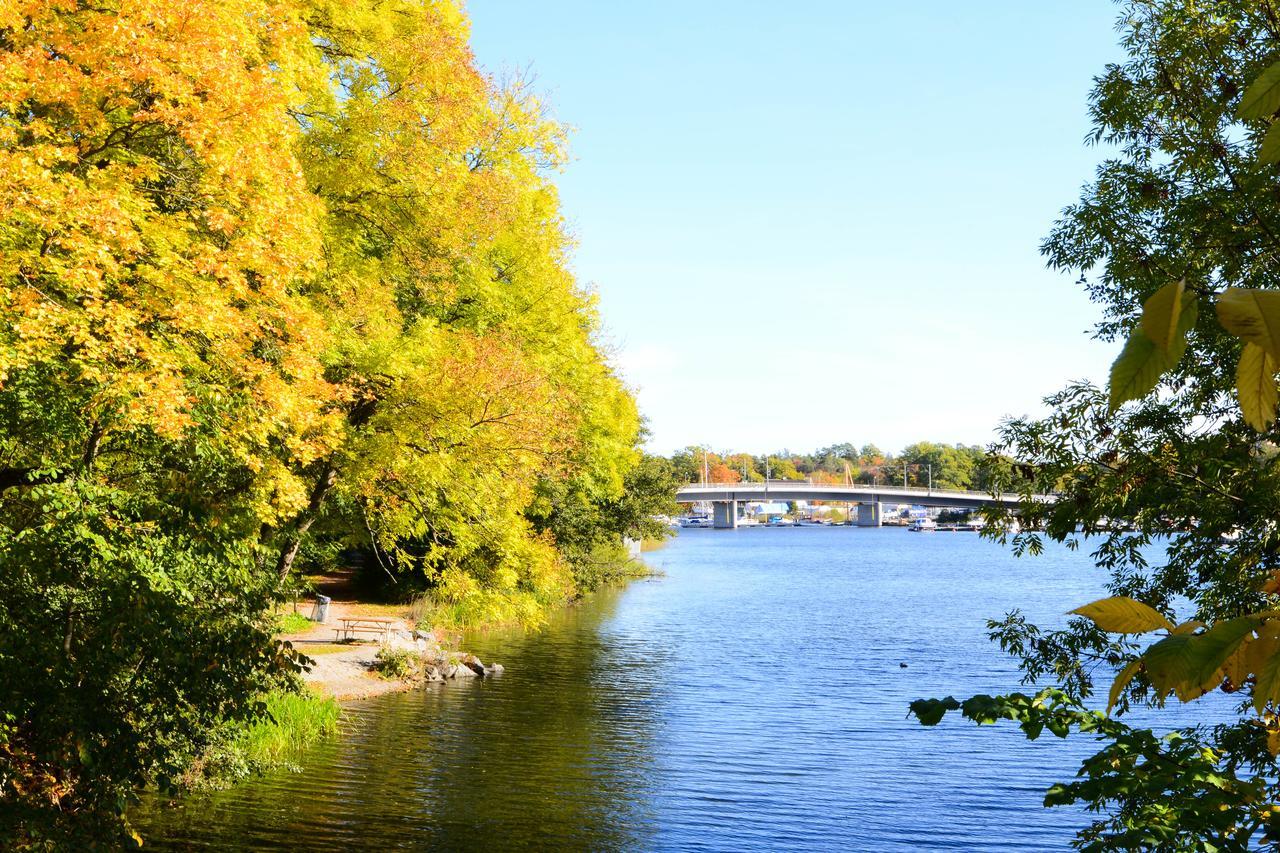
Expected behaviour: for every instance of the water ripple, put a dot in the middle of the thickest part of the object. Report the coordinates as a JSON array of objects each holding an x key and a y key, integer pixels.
[{"x": 752, "y": 698}]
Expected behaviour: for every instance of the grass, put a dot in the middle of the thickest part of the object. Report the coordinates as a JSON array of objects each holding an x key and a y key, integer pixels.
[
  {"x": 292, "y": 623},
  {"x": 295, "y": 720},
  {"x": 314, "y": 649}
]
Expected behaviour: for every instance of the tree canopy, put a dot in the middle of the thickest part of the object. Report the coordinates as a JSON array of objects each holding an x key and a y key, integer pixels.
[{"x": 273, "y": 273}]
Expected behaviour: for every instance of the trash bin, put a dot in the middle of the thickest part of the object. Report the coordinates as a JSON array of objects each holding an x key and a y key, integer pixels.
[{"x": 320, "y": 612}]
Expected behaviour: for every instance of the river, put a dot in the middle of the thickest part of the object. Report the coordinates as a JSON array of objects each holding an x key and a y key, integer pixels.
[{"x": 753, "y": 696}]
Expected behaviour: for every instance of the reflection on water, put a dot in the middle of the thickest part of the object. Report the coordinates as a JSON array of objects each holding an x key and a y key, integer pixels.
[{"x": 752, "y": 697}]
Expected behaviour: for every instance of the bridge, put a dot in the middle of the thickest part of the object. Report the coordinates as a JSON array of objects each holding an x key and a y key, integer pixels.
[{"x": 726, "y": 496}]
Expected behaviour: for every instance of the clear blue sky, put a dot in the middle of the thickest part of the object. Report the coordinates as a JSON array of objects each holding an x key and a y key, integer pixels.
[{"x": 815, "y": 222}]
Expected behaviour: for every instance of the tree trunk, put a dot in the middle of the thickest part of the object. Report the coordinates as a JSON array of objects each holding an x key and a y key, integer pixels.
[
  {"x": 306, "y": 518},
  {"x": 358, "y": 416}
]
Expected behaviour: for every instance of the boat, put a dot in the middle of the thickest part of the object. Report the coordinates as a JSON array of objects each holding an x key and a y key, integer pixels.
[
  {"x": 923, "y": 525},
  {"x": 695, "y": 521}
]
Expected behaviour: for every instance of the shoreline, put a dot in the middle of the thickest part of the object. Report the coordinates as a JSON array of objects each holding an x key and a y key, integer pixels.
[{"x": 351, "y": 670}]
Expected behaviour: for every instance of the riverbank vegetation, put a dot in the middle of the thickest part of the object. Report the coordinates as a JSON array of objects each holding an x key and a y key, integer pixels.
[
  {"x": 1175, "y": 240},
  {"x": 281, "y": 281},
  {"x": 289, "y": 722}
]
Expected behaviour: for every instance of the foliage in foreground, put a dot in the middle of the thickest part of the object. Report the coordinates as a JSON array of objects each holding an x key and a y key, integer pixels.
[
  {"x": 1174, "y": 240},
  {"x": 270, "y": 273}
]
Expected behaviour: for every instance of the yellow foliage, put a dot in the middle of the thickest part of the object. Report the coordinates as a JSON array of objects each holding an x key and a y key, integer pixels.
[{"x": 312, "y": 238}]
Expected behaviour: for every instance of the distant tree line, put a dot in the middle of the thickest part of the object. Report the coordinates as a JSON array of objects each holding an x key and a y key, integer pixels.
[{"x": 945, "y": 466}]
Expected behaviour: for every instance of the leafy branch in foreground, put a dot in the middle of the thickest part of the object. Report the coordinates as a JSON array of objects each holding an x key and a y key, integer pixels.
[
  {"x": 1167, "y": 793},
  {"x": 1172, "y": 475}
]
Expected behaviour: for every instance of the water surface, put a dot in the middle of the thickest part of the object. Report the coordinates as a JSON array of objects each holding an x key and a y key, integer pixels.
[{"x": 752, "y": 697}]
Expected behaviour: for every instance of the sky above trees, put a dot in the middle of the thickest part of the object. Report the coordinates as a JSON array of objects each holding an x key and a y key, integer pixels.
[{"x": 820, "y": 222}]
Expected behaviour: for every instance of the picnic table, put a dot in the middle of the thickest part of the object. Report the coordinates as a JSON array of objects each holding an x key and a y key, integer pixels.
[{"x": 364, "y": 624}]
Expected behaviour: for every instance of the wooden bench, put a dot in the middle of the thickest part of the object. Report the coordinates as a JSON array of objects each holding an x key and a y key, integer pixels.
[{"x": 364, "y": 625}]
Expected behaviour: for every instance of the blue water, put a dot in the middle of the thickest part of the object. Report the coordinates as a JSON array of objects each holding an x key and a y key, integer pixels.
[{"x": 751, "y": 697}]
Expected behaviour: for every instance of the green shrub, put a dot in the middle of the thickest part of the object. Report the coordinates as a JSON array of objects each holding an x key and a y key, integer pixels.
[{"x": 400, "y": 664}]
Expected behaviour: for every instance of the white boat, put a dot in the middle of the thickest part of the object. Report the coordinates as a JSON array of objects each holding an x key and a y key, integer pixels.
[
  {"x": 923, "y": 525},
  {"x": 695, "y": 521}
]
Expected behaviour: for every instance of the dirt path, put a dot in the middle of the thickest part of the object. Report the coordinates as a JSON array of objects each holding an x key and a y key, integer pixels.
[{"x": 342, "y": 670}]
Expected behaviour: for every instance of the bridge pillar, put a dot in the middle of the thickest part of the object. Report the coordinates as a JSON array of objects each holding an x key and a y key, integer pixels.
[
  {"x": 869, "y": 514},
  {"x": 725, "y": 515}
]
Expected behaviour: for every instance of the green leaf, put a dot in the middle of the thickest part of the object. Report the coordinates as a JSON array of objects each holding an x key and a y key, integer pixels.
[
  {"x": 1167, "y": 316},
  {"x": 931, "y": 711},
  {"x": 1136, "y": 370},
  {"x": 1122, "y": 680},
  {"x": 1058, "y": 795},
  {"x": 1256, "y": 387},
  {"x": 1122, "y": 615},
  {"x": 1262, "y": 98},
  {"x": 1171, "y": 665},
  {"x": 1061, "y": 728},
  {"x": 1253, "y": 316},
  {"x": 1269, "y": 150}
]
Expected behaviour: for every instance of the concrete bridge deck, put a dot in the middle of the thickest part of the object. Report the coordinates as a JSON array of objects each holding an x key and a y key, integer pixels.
[{"x": 726, "y": 496}]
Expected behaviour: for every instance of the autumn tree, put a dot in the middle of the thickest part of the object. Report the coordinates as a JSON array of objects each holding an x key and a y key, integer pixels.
[
  {"x": 474, "y": 397},
  {"x": 270, "y": 271},
  {"x": 158, "y": 388}
]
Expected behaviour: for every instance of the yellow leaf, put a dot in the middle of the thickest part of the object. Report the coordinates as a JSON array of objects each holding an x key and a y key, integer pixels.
[
  {"x": 1273, "y": 741},
  {"x": 1121, "y": 615},
  {"x": 1167, "y": 316},
  {"x": 1252, "y": 315},
  {"x": 1262, "y": 660},
  {"x": 1136, "y": 370},
  {"x": 1188, "y": 627},
  {"x": 1236, "y": 669},
  {"x": 1266, "y": 671},
  {"x": 1126, "y": 675},
  {"x": 1262, "y": 98},
  {"x": 1256, "y": 386}
]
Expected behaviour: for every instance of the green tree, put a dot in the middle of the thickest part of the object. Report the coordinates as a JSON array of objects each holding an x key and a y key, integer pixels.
[
  {"x": 590, "y": 532},
  {"x": 781, "y": 468},
  {"x": 1173, "y": 240},
  {"x": 951, "y": 467}
]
